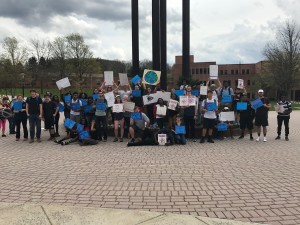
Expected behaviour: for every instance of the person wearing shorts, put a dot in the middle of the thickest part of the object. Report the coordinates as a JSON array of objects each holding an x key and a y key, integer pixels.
[{"x": 137, "y": 127}]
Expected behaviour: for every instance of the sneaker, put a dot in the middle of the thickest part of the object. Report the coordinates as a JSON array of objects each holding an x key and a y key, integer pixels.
[
  {"x": 251, "y": 138},
  {"x": 18, "y": 139},
  {"x": 31, "y": 141},
  {"x": 277, "y": 138},
  {"x": 3, "y": 135},
  {"x": 287, "y": 138},
  {"x": 210, "y": 140},
  {"x": 39, "y": 140},
  {"x": 132, "y": 140},
  {"x": 258, "y": 139},
  {"x": 265, "y": 139},
  {"x": 202, "y": 140},
  {"x": 115, "y": 140},
  {"x": 241, "y": 137},
  {"x": 121, "y": 139},
  {"x": 105, "y": 140},
  {"x": 194, "y": 140}
]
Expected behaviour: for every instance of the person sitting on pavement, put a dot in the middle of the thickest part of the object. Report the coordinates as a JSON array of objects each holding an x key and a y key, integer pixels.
[{"x": 137, "y": 127}]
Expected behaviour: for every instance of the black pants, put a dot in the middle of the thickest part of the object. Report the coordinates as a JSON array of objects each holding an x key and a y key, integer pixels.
[
  {"x": 189, "y": 122},
  {"x": 56, "y": 123},
  {"x": 286, "y": 120},
  {"x": 24, "y": 125}
]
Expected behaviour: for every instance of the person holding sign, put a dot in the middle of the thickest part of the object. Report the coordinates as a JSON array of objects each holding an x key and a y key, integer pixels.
[
  {"x": 3, "y": 107},
  {"x": 261, "y": 115},
  {"x": 229, "y": 125},
  {"x": 137, "y": 125},
  {"x": 55, "y": 99},
  {"x": 173, "y": 110},
  {"x": 76, "y": 105},
  {"x": 209, "y": 108},
  {"x": 160, "y": 112},
  {"x": 19, "y": 109},
  {"x": 283, "y": 116},
  {"x": 119, "y": 119},
  {"x": 138, "y": 100},
  {"x": 34, "y": 110},
  {"x": 89, "y": 110},
  {"x": 127, "y": 114},
  {"x": 179, "y": 131},
  {"x": 226, "y": 95},
  {"x": 189, "y": 117},
  {"x": 247, "y": 115},
  {"x": 50, "y": 110},
  {"x": 100, "y": 117}
]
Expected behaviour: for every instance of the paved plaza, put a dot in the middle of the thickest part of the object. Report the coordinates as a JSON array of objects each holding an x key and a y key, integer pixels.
[{"x": 239, "y": 180}]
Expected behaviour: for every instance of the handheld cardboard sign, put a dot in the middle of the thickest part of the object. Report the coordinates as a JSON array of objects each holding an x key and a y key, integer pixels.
[
  {"x": 67, "y": 99},
  {"x": 241, "y": 106},
  {"x": 180, "y": 130},
  {"x": 69, "y": 123},
  {"x": 18, "y": 105},
  {"x": 100, "y": 106},
  {"x": 136, "y": 116},
  {"x": 226, "y": 98},
  {"x": 222, "y": 126},
  {"x": 257, "y": 103}
]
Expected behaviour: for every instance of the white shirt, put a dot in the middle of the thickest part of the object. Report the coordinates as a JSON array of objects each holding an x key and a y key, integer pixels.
[
  {"x": 209, "y": 114},
  {"x": 73, "y": 112}
]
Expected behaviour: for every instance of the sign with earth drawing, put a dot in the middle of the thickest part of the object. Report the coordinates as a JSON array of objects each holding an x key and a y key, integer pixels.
[{"x": 151, "y": 77}]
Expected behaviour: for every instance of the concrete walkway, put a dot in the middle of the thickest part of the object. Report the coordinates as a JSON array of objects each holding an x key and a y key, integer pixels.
[{"x": 29, "y": 214}]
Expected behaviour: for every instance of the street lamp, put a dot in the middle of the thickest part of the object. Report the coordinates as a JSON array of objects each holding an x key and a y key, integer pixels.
[{"x": 23, "y": 81}]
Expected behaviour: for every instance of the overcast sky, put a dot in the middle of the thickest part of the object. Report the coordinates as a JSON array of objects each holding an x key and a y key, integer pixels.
[{"x": 226, "y": 31}]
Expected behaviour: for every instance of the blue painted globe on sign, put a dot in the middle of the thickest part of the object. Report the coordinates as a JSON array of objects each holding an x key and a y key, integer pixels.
[{"x": 151, "y": 77}]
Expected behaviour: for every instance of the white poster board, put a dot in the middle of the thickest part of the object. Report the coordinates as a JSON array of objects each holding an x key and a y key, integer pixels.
[
  {"x": 117, "y": 108},
  {"x": 63, "y": 83},
  {"x": 129, "y": 106},
  {"x": 213, "y": 72},
  {"x": 203, "y": 90},
  {"x": 110, "y": 98},
  {"x": 173, "y": 104},
  {"x": 109, "y": 78},
  {"x": 192, "y": 100},
  {"x": 161, "y": 111},
  {"x": 150, "y": 99},
  {"x": 184, "y": 101},
  {"x": 227, "y": 116},
  {"x": 279, "y": 108},
  {"x": 240, "y": 84},
  {"x": 123, "y": 78},
  {"x": 162, "y": 139},
  {"x": 166, "y": 96}
]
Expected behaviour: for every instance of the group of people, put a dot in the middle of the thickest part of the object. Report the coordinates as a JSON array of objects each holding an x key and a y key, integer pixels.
[{"x": 87, "y": 117}]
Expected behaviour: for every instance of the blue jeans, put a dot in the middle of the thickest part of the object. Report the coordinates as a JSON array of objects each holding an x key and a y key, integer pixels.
[
  {"x": 34, "y": 120},
  {"x": 180, "y": 139}
]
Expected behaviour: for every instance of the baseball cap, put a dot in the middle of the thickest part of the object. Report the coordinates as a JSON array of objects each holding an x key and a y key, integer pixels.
[{"x": 260, "y": 91}]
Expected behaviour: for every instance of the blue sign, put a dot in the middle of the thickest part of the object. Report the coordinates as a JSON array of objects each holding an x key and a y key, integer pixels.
[
  {"x": 222, "y": 126},
  {"x": 61, "y": 107},
  {"x": 226, "y": 98},
  {"x": 136, "y": 79},
  {"x": 136, "y": 116},
  {"x": 79, "y": 128},
  {"x": 67, "y": 99},
  {"x": 88, "y": 108},
  {"x": 101, "y": 106},
  {"x": 211, "y": 106},
  {"x": 84, "y": 135},
  {"x": 257, "y": 103},
  {"x": 75, "y": 106},
  {"x": 95, "y": 96},
  {"x": 83, "y": 102},
  {"x": 136, "y": 93},
  {"x": 18, "y": 105},
  {"x": 179, "y": 93},
  {"x": 241, "y": 106},
  {"x": 180, "y": 130},
  {"x": 69, "y": 123},
  {"x": 195, "y": 93}
]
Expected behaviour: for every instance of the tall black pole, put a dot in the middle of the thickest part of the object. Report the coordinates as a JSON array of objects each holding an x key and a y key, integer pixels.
[
  {"x": 163, "y": 42},
  {"x": 156, "y": 34},
  {"x": 135, "y": 37},
  {"x": 186, "y": 39}
]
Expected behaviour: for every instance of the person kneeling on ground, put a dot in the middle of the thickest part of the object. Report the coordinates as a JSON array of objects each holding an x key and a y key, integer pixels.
[
  {"x": 229, "y": 126},
  {"x": 137, "y": 126}
]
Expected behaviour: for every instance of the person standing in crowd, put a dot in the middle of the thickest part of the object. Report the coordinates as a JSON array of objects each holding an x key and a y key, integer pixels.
[
  {"x": 55, "y": 99},
  {"x": 246, "y": 118},
  {"x": 2, "y": 118},
  {"x": 171, "y": 114},
  {"x": 137, "y": 127},
  {"x": 50, "y": 110},
  {"x": 184, "y": 85},
  {"x": 21, "y": 118},
  {"x": 11, "y": 119},
  {"x": 225, "y": 90},
  {"x": 210, "y": 116},
  {"x": 34, "y": 110},
  {"x": 127, "y": 116},
  {"x": 119, "y": 119},
  {"x": 150, "y": 107},
  {"x": 261, "y": 116},
  {"x": 100, "y": 117},
  {"x": 283, "y": 116},
  {"x": 76, "y": 105},
  {"x": 160, "y": 112},
  {"x": 189, "y": 117}
]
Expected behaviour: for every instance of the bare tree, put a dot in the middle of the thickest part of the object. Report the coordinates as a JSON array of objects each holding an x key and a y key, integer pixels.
[
  {"x": 14, "y": 51},
  {"x": 283, "y": 56},
  {"x": 58, "y": 49}
]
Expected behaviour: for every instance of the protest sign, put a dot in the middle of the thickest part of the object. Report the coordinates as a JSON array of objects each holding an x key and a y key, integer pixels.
[
  {"x": 61, "y": 107},
  {"x": 136, "y": 79},
  {"x": 173, "y": 104},
  {"x": 67, "y": 99},
  {"x": 184, "y": 101},
  {"x": 129, "y": 106},
  {"x": 227, "y": 116},
  {"x": 123, "y": 78},
  {"x": 117, "y": 108},
  {"x": 211, "y": 106},
  {"x": 83, "y": 102},
  {"x": 203, "y": 90},
  {"x": 240, "y": 83},
  {"x": 151, "y": 77},
  {"x": 161, "y": 111},
  {"x": 136, "y": 116},
  {"x": 18, "y": 105},
  {"x": 150, "y": 99},
  {"x": 162, "y": 139},
  {"x": 279, "y": 108},
  {"x": 63, "y": 83},
  {"x": 79, "y": 128},
  {"x": 180, "y": 130},
  {"x": 75, "y": 106},
  {"x": 110, "y": 98},
  {"x": 195, "y": 93},
  {"x": 88, "y": 108},
  {"x": 257, "y": 103},
  {"x": 179, "y": 93},
  {"x": 84, "y": 135},
  {"x": 213, "y": 72},
  {"x": 136, "y": 93},
  {"x": 100, "y": 105},
  {"x": 241, "y": 106},
  {"x": 222, "y": 126},
  {"x": 192, "y": 100},
  {"x": 226, "y": 98},
  {"x": 109, "y": 78},
  {"x": 95, "y": 96},
  {"x": 166, "y": 96},
  {"x": 69, "y": 123}
]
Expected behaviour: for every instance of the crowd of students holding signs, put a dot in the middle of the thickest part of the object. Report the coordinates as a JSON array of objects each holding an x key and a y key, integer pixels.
[{"x": 144, "y": 112}]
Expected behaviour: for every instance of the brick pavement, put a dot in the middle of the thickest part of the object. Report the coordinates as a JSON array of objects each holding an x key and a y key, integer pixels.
[{"x": 239, "y": 180}]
